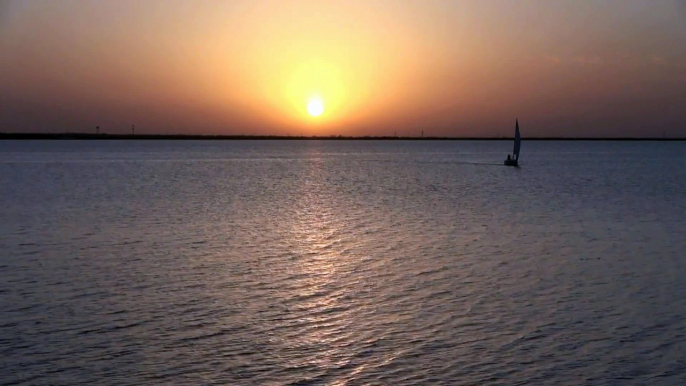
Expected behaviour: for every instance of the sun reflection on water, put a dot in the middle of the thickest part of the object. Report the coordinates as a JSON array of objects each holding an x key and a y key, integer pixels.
[{"x": 319, "y": 296}]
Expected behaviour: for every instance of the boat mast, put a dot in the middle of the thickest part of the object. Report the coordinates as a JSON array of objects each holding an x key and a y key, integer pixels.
[{"x": 516, "y": 140}]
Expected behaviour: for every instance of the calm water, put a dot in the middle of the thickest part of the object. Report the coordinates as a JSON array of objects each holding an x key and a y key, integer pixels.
[{"x": 342, "y": 263}]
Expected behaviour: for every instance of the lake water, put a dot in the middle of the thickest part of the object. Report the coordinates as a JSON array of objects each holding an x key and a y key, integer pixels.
[{"x": 342, "y": 263}]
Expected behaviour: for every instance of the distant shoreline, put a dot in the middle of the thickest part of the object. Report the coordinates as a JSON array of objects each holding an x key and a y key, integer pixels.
[{"x": 86, "y": 136}]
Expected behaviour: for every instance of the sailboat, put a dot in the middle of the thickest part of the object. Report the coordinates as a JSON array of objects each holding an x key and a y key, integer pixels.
[{"x": 514, "y": 159}]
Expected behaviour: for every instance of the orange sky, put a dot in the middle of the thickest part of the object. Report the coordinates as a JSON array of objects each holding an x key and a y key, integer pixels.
[{"x": 574, "y": 68}]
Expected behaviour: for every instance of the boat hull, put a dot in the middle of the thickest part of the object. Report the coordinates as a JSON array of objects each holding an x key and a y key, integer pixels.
[{"x": 511, "y": 162}]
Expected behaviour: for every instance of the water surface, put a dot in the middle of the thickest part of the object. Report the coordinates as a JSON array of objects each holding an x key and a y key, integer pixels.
[{"x": 342, "y": 263}]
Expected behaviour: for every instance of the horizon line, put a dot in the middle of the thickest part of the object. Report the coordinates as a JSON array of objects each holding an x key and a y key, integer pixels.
[{"x": 105, "y": 136}]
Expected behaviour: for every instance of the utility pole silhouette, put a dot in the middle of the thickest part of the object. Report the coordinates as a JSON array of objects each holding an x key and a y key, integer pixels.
[
  {"x": 97, "y": 129},
  {"x": 133, "y": 130}
]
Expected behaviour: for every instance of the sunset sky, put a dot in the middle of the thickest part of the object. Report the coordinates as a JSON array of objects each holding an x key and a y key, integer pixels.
[{"x": 455, "y": 68}]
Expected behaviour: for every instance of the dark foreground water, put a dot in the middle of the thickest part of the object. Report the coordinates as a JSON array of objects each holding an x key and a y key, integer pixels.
[{"x": 342, "y": 263}]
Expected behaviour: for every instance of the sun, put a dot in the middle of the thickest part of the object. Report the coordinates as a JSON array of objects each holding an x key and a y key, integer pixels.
[{"x": 315, "y": 107}]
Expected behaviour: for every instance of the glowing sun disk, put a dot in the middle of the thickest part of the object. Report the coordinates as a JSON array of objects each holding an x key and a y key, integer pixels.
[{"x": 315, "y": 107}]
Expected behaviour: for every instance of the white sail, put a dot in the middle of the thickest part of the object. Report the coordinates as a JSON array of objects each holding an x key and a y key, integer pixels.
[{"x": 517, "y": 140}]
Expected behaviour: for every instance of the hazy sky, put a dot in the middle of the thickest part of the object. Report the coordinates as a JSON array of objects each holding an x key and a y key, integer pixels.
[{"x": 573, "y": 68}]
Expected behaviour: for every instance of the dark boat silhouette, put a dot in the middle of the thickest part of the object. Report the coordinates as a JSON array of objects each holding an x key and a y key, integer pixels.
[{"x": 514, "y": 159}]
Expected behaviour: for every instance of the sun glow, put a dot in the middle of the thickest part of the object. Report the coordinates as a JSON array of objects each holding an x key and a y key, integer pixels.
[
  {"x": 315, "y": 107},
  {"x": 307, "y": 84}
]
